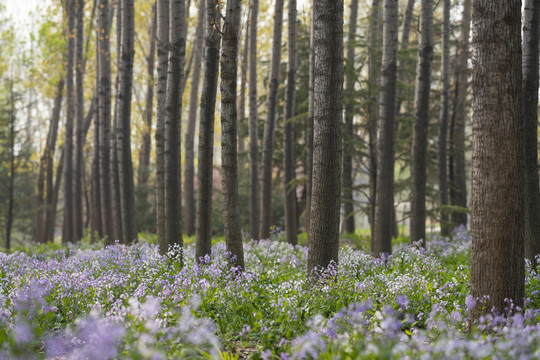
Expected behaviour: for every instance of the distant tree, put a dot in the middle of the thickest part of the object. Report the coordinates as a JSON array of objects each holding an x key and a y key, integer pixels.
[
  {"x": 270, "y": 123},
  {"x": 327, "y": 152},
  {"x": 531, "y": 19},
  {"x": 497, "y": 263},
  {"x": 243, "y": 80},
  {"x": 11, "y": 167},
  {"x": 420, "y": 131},
  {"x": 384, "y": 197}
]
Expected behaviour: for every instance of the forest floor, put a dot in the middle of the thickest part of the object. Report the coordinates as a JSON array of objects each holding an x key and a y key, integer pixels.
[{"x": 128, "y": 302}]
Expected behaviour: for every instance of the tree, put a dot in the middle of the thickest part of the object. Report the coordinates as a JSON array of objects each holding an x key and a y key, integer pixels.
[
  {"x": 12, "y": 168},
  {"x": 189, "y": 174},
  {"x": 67, "y": 234},
  {"x": 288, "y": 138},
  {"x": 347, "y": 181},
  {"x": 123, "y": 134},
  {"x": 457, "y": 173},
  {"x": 253, "y": 127},
  {"x": 531, "y": 25},
  {"x": 384, "y": 197},
  {"x": 421, "y": 116},
  {"x": 497, "y": 264},
  {"x": 309, "y": 128},
  {"x": 206, "y": 131},
  {"x": 269, "y": 124},
  {"x": 327, "y": 152},
  {"x": 229, "y": 161}
]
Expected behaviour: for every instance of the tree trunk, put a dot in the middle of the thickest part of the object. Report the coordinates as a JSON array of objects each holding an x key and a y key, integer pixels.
[
  {"x": 123, "y": 135},
  {"x": 161, "y": 91},
  {"x": 497, "y": 264},
  {"x": 459, "y": 185},
  {"x": 243, "y": 78},
  {"x": 403, "y": 47},
  {"x": 530, "y": 117},
  {"x": 373, "y": 85},
  {"x": 45, "y": 185},
  {"x": 254, "y": 206},
  {"x": 229, "y": 161},
  {"x": 189, "y": 172},
  {"x": 443, "y": 120},
  {"x": 348, "y": 135},
  {"x": 173, "y": 118},
  {"x": 309, "y": 128},
  {"x": 327, "y": 152},
  {"x": 288, "y": 137},
  {"x": 269, "y": 125},
  {"x": 421, "y": 117},
  {"x": 79, "y": 128},
  {"x": 384, "y": 197},
  {"x": 12, "y": 169},
  {"x": 68, "y": 235},
  {"x": 206, "y": 132}
]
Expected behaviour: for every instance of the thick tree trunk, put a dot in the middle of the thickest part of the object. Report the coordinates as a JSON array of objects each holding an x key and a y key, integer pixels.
[
  {"x": 288, "y": 137},
  {"x": 328, "y": 117},
  {"x": 530, "y": 118},
  {"x": 384, "y": 197},
  {"x": 497, "y": 264},
  {"x": 229, "y": 162},
  {"x": 161, "y": 90},
  {"x": 309, "y": 128},
  {"x": 206, "y": 132},
  {"x": 421, "y": 117},
  {"x": 68, "y": 234},
  {"x": 45, "y": 177},
  {"x": 173, "y": 118},
  {"x": 254, "y": 206},
  {"x": 123, "y": 135},
  {"x": 269, "y": 125},
  {"x": 189, "y": 172},
  {"x": 443, "y": 120},
  {"x": 348, "y": 134},
  {"x": 458, "y": 195}
]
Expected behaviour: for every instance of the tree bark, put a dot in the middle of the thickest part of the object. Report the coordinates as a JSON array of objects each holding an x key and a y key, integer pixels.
[
  {"x": 123, "y": 135},
  {"x": 309, "y": 128},
  {"x": 68, "y": 234},
  {"x": 206, "y": 132},
  {"x": 288, "y": 137},
  {"x": 327, "y": 152},
  {"x": 229, "y": 161},
  {"x": 348, "y": 135},
  {"x": 269, "y": 125},
  {"x": 421, "y": 117},
  {"x": 530, "y": 116},
  {"x": 497, "y": 263},
  {"x": 189, "y": 172},
  {"x": 254, "y": 206},
  {"x": 458, "y": 194},
  {"x": 243, "y": 79},
  {"x": 384, "y": 197},
  {"x": 443, "y": 120}
]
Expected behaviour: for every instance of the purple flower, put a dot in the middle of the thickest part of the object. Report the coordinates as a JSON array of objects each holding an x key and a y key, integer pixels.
[{"x": 402, "y": 301}]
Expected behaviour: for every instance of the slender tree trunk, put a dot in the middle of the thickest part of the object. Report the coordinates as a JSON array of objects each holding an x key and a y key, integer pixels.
[
  {"x": 146, "y": 147},
  {"x": 459, "y": 184},
  {"x": 328, "y": 117},
  {"x": 309, "y": 137},
  {"x": 497, "y": 264},
  {"x": 530, "y": 117},
  {"x": 269, "y": 125},
  {"x": 68, "y": 235},
  {"x": 243, "y": 79},
  {"x": 421, "y": 117},
  {"x": 403, "y": 47},
  {"x": 229, "y": 160},
  {"x": 443, "y": 120},
  {"x": 254, "y": 206},
  {"x": 206, "y": 132},
  {"x": 373, "y": 85},
  {"x": 288, "y": 137},
  {"x": 384, "y": 198},
  {"x": 79, "y": 128},
  {"x": 123, "y": 136},
  {"x": 348, "y": 135},
  {"x": 189, "y": 172},
  {"x": 45, "y": 186},
  {"x": 173, "y": 118},
  {"x": 12, "y": 169}
]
